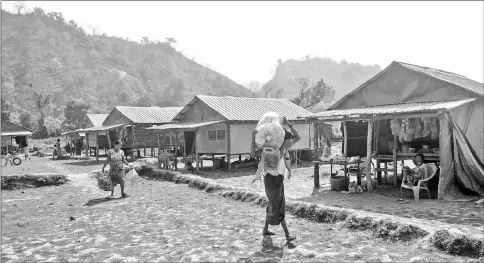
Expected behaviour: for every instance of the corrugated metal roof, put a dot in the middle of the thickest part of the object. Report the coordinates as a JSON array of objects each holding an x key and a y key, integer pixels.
[
  {"x": 10, "y": 128},
  {"x": 449, "y": 77},
  {"x": 97, "y": 119},
  {"x": 251, "y": 109},
  {"x": 403, "y": 108},
  {"x": 184, "y": 125},
  {"x": 149, "y": 114},
  {"x": 101, "y": 128}
]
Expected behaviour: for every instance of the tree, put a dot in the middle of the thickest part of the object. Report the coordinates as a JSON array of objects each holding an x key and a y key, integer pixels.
[
  {"x": 20, "y": 7},
  {"x": 145, "y": 41},
  {"x": 5, "y": 110},
  {"x": 25, "y": 120},
  {"x": 171, "y": 41},
  {"x": 41, "y": 96},
  {"x": 309, "y": 96},
  {"x": 266, "y": 89},
  {"x": 279, "y": 93},
  {"x": 95, "y": 31},
  {"x": 75, "y": 112}
]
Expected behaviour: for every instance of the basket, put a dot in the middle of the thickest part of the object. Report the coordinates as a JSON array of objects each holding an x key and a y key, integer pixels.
[{"x": 104, "y": 183}]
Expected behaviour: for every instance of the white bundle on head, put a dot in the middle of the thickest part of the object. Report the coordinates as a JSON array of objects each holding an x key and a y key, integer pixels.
[
  {"x": 269, "y": 117},
  {"x": 269, "y": 131}
]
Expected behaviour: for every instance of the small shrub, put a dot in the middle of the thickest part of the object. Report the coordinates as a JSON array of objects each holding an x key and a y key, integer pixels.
[{"x": 457, "y": 245}]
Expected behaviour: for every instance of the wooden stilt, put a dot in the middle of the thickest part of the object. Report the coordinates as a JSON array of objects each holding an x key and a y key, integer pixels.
[
  {"x": 176, "y": 151},
  {"x": 97, "y": 147},
  {"x": 369, "y": 155},
  {"x": 109, "y": 139},
  {"x": 87, "y": 145},
  {"x": 229, "y": 165},
  {"x": 213, "y": 162}
]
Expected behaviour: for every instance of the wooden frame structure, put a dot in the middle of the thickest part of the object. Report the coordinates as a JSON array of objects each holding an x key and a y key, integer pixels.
[
  {"x": 11, "y": 130},
  {"x": 373, "y": 116}
]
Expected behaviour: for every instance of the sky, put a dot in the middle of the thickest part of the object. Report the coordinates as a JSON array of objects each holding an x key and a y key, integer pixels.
[{"x": 244, "y": 40}]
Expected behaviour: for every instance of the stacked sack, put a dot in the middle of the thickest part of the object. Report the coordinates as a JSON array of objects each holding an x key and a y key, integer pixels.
[{"x": 269, "y": 131}]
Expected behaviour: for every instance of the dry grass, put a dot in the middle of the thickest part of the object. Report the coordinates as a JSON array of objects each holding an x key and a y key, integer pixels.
[
  {"x": 11, "y": 182},
  {"x": 166, "y": 222}
]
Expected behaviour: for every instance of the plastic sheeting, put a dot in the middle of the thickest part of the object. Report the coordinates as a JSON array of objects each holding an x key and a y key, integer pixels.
[{"x": 462, "y": 176}]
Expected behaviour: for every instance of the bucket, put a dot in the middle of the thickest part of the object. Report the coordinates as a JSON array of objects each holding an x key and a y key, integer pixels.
[
  {"x": 405, "y": 148},
  {"x": 339, "y": 183}
]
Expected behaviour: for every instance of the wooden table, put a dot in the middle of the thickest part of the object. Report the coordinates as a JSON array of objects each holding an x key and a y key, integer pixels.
[
  {"x": 382, "y": 158},
  {"x": 331, "y": 163}
]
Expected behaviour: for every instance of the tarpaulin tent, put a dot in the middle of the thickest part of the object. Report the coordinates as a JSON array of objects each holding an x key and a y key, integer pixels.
[{"x": 403, "y": 90}]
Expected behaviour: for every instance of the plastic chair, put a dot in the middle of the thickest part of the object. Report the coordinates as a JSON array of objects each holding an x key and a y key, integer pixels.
[{"x": 432, "y": 170}]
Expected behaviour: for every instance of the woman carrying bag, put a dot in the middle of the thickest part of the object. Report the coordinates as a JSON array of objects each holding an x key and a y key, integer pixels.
[{"x": 116, "y": 159}]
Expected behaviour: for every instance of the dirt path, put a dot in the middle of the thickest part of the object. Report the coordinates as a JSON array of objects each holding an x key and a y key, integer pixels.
[{"x": 166, "y": 222}]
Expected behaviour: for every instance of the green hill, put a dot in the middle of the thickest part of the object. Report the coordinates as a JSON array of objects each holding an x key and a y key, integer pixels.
[{"x": 45, "y": 56}]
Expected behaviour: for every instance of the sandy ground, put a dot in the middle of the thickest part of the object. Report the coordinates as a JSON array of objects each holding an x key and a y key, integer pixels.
[{"x": 167, "y": 222}]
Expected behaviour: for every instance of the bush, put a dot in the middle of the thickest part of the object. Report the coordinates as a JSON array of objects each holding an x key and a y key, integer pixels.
[{"x": 457, "y": 245}]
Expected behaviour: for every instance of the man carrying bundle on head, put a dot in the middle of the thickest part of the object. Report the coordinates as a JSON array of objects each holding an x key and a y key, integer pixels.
[{"x": 272, "y": 143}]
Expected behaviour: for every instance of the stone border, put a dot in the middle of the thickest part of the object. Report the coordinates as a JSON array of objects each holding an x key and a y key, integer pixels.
[{"x": 383, "y": 226}]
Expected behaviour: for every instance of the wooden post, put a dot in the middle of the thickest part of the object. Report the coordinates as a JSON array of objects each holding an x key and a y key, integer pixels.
[
  {"x": 87, "y": 145},
  {"x": 316, "y": 157},
  {"x": 159, "y": 142},
  {"x": 97, "y": 146},
  {"x": 229, "y": 165},
  {"x": 109, "y": 139},
  {"x": 176, "y": 151},
  {"x": 345, "y": 138},
  {"x": 368, "y": 155},
  {"x": 395, "y": 146},
  {"x": 132, "y": 143},
  {"x": 316, "y": 143}
]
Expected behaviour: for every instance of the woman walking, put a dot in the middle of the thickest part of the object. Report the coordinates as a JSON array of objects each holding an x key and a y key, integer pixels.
[
  {"x": 274, "y": 184},
  {"x": 116, "y": 159},
  {"x": 58, "y": 149}
]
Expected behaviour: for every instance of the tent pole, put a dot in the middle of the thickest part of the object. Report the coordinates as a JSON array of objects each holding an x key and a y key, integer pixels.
[
  {"x": 369, "y": 156},
  {"x": 345, "y": 146},
  {"x": 377, "y": 142},
  {"x": 395, "y": 146},
  {"x": 185, "y": 149},
  {"x": 195, "y": 141}
]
